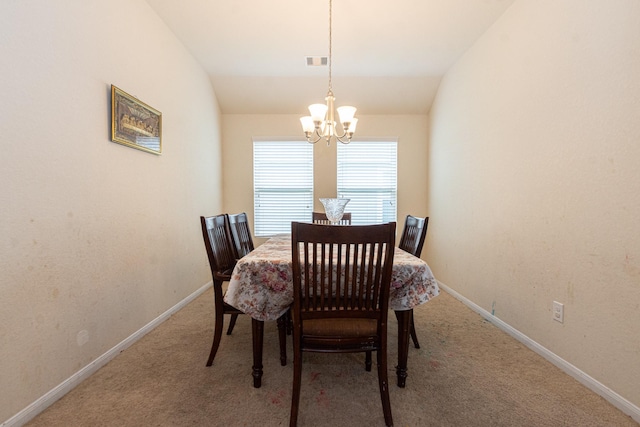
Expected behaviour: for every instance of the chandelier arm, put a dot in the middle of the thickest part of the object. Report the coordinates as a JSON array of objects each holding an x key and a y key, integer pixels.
[
  {"x": 342, "y": 140},
  {"x": 313, "y": 141},
  {"x": 345, "y": 136}
]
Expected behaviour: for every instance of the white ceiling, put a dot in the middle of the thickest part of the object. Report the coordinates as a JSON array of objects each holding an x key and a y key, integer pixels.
[{"x": 388, "y": 56}]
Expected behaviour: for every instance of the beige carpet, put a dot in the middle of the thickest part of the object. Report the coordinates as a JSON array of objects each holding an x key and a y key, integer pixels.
[{"x": 467, "y": 373}]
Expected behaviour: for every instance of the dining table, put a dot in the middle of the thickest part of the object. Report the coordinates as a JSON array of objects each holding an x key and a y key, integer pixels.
[{"x": 261, "y": 286}]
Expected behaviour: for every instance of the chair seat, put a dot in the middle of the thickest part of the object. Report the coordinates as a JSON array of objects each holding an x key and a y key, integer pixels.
[
  {"x": 338, "y": 335},
  {"x": 229, "y": 309},
  {"x": 224, "y": 275},
  {"x": 337, "y": 327}
]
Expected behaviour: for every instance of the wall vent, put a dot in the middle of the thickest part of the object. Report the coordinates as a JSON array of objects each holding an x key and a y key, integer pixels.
[{"x": 317, "y": 61}]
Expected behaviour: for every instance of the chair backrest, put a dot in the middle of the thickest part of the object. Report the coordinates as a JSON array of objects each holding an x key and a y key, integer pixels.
[
  {"x": 241, "y": 234},
  {"x": 341, "y": 272},
  {"x": 219, "y": 244},
  {"x": 321, "y": 218},
  {"x": 413, "y": 234}
]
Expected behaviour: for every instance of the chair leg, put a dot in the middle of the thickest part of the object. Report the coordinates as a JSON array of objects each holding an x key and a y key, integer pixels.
[
  {"x": 412, "y": 330},
  {"x": 297, "y": 382},
  {"x": 217, "y": 335},
  {"x": 367, "y": 361},
  {"x": 219, "y": 320},
  {"x": 232, "y": 323},
  {"x": 383, "y": 381}
]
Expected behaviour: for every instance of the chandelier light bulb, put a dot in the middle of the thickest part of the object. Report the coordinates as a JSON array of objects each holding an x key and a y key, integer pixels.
[
  {"x": 307, "y": 124},
  {"x": 346, "y": 113},
  {"x": 318, "y": 112}
]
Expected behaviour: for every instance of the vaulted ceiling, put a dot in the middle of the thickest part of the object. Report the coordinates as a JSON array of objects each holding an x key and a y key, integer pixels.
[{"x": 388, "y": 56}]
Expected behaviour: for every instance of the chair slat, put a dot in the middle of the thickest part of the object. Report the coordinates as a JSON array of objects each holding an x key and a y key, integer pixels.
[
  {"x": 241, "y": 233},
  {"x": 321, "y": 218}
]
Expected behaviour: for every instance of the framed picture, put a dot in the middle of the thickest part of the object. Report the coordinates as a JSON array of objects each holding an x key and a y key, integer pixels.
[{"x": 134, "y": 123}]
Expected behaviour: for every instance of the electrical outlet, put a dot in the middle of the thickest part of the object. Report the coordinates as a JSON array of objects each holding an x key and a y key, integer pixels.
[{"x": 558, "y": 311}]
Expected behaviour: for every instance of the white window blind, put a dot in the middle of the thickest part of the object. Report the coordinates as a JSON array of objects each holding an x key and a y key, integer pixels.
[
  {"x": 367, "y": 174},
  {"x": 282, "y": 185}
]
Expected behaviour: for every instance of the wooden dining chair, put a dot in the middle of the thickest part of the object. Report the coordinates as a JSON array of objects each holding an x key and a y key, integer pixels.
[
  {"x": 222, "y": 258},
  {"x": 241, "y": 233},
  {"x": 412, "y": 241},
  {"x": 321, "y": 218},
  {"x": 341, "y": 280},
  {"x": 242, "y": 243}
]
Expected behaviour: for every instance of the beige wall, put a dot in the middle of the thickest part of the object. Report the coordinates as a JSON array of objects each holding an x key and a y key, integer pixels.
[
  {"x": 411, "y": 132},
  {"x": 535, "y": 181},
  {"x": 96, "y": 239}
]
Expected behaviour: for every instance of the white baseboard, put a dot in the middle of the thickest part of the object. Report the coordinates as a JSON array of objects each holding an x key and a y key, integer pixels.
[
  {"x": 67, "y": 385},
  {"x": 611, "y": 396}
]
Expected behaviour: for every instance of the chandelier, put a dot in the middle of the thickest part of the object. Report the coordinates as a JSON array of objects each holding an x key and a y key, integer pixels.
[{"x": 321, "y": 123}]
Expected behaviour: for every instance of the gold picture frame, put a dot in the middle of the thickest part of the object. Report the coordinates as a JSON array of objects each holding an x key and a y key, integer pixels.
[{"x": 134, "y": 123}]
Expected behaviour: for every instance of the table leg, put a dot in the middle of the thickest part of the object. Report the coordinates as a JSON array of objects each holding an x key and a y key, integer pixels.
[
  {"x": 404, "y": 320},
  {"x": 257, "y": 331},
  {"x": 282, "y": 336}
]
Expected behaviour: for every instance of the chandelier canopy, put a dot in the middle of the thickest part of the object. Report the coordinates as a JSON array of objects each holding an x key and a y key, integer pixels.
[{"x": 321, "y": 123}]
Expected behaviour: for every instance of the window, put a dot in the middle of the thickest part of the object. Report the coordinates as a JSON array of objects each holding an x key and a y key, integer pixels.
[
  {"x": 282, "y": 185},
  {"x": 367, "y": 174}
]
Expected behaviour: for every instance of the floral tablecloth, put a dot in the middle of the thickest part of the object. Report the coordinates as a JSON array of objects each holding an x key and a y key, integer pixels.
[{"x": 261, "y": 285}]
